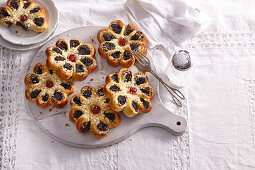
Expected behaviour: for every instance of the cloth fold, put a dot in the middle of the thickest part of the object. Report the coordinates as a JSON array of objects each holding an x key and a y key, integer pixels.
[{"x": 166, "y": 22}]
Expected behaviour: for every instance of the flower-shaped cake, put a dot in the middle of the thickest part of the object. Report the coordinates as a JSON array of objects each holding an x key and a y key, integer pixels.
[
  {"x": 92, "y": 113},
  {"x": 25, "y": 14},
  {"x": 118, "y": 40},
  {"x": 45, "y": 87},
  {"x": 129, "y": 93},
  {"x": 71, "y": 59}
]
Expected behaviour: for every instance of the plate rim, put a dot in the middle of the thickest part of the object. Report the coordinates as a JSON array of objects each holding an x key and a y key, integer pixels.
[{"x": 24, "y": 47}]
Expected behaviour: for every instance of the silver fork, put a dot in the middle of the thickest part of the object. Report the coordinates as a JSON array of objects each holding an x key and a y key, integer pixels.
[{"x": 143, "y": 63}]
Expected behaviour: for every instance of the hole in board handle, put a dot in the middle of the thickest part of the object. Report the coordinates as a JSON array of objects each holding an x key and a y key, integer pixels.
[{"x": 178, "y": 123}]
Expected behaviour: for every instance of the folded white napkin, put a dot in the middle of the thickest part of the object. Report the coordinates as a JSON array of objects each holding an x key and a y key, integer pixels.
[{"x": 166, "y": 22}]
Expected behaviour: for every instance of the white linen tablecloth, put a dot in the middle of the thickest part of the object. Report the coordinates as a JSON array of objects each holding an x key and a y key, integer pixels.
[{"x": 221, "y": 101}]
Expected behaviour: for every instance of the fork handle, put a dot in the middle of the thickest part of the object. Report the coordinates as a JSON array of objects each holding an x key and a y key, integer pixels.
[{"x": 175, "y": 93}]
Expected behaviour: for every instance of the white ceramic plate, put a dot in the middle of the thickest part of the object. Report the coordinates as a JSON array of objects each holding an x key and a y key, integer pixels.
[
  {"x": 12, "y": 46},
  {"x": 56, "y": 122},
  {"x": 18, "y": 36}
]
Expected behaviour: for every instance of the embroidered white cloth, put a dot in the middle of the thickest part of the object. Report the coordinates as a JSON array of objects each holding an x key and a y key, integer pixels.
[
  {"x": 35, "y": 150},
  {"x": 54, "y": 155},
  {"x": 220, "y": 102}
]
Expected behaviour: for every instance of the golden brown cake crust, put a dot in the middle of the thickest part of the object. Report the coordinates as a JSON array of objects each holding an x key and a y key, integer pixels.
[
  {"x": 91, "y": 112},
  {"x": 25, "y": 14},
  {"x": 46, "y": 88},
  {"x": 128, "y": 92},
  {"x": 71, "y": 59},
  {"x": 118, "y": 40}
]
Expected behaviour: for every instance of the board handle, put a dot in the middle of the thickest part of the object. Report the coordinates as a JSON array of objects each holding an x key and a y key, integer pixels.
[{"x": 173, "y": 123}]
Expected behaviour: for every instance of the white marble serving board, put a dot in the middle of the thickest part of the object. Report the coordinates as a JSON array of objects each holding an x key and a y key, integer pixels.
[{"x": 55, "y": 122}]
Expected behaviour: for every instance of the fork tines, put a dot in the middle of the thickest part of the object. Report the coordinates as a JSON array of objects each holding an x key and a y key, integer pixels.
[{"x": 139, "y": 56}]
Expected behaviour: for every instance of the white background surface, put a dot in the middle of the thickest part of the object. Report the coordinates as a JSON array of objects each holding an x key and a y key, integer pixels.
[{"x": 221, "y": 100}]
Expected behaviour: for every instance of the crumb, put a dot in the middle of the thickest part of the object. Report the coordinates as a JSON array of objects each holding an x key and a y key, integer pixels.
[
  {"x": 17, "y": 31},
  {"x": 101, "y": 72},
  {"x": 103, "y": 77},
  {"x": 67, "y": 124},
  {"x": 50, "y": 109},
  {"x": 91, "y": 79},
  {"x": 40, "y": 112},
  {"x": 52, "y": 141},
  {"x": 92, "y": 40},
  {"x": 198, "y": 10},
  {"x": 130, "y": 139},
  {"x": 68, "y": 35},
  {"x": 65, "y": 114}
]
